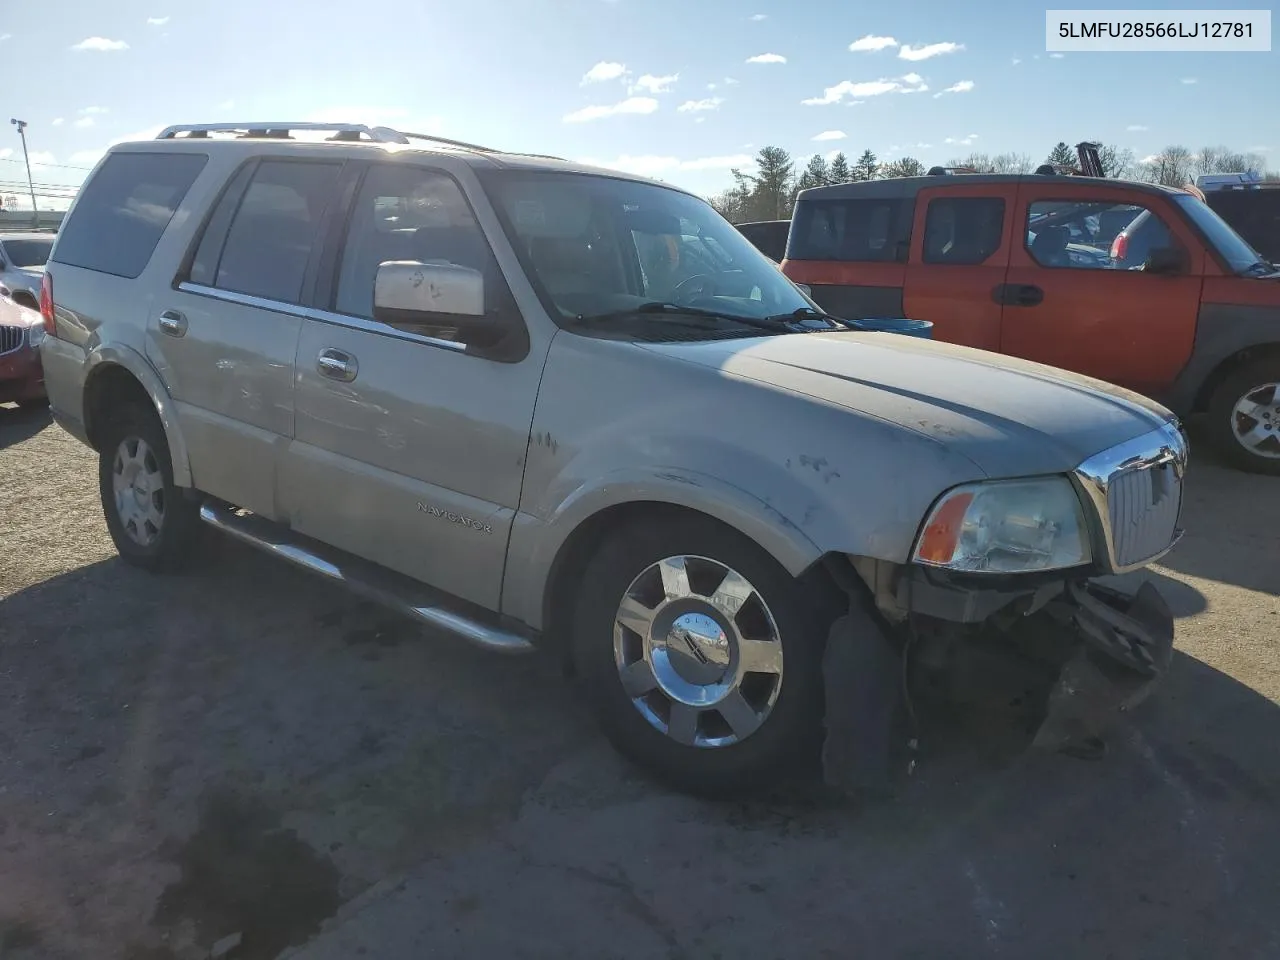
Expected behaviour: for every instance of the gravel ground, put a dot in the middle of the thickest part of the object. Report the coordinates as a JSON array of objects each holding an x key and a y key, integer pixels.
[{"x": 243, "y": 751}]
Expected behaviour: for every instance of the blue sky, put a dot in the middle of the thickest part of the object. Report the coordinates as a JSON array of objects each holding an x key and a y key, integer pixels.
[{"x": 677, "y": 89}]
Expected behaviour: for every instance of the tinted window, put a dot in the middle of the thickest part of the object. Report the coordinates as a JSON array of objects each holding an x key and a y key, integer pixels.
[
  {"x": 1229, "y": 244},
  {"x": 1079, "y": 234},
  {"x": 275, "y": 228},
  {"x": 963, "y": 230},
  {"x": 407, "y": 213},
  {"x": 204, "y": 266},
  {"x": 1254, "y": 214},
  {"x": 121, "y": 213},
  {"x": 851, "y": 230},
  {"x": 27, "y": 253}
]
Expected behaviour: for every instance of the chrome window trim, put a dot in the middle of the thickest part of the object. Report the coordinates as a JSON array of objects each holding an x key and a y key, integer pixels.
[
  {"x": 1166, "y": 444},
  {"x": 321, "y": 316}
]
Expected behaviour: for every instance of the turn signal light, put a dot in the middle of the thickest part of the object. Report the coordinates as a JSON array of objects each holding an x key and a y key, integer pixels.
[{"x": 46, "y": 305}]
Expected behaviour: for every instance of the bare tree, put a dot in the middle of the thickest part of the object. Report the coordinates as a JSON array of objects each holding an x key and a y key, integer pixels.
[
  {"x": 1171, "y": 167},
  {"x": 906, "y": 167},
  {"x": 1118, "y": 163}
]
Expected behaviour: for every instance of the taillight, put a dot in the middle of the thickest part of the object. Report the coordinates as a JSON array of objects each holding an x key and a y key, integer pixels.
[
  {"x": 1119, "y": 246},
  {"x": 46, "y": 305}
]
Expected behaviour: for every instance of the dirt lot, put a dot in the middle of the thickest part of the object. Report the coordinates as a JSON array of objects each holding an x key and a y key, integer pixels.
[{"x": 243, "y": 751}]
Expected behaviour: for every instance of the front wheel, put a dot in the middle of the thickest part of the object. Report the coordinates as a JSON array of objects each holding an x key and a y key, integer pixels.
[
  {"x": 701, "y": 655},
  {"x": 152, "y": 523},
  {"x": 1244, "y": 417}
]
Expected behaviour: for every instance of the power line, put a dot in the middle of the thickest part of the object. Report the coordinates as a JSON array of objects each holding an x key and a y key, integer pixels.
[{"x": 60, "y": 166}]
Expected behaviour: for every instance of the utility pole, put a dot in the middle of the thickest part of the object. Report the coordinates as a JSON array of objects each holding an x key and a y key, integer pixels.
[{"x": 22, "y": 132}]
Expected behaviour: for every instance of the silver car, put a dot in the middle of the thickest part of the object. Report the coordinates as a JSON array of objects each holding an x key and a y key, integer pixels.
[
  {"x": 22, "y": 262},
  {"x": 540, "y": 404}
]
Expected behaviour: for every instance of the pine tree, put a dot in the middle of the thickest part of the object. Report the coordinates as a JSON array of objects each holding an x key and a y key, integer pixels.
[
  {"x": 1062, "y": 156},
  {"x": 867, "y": 167},
  {"x": 839, "y": 171},
  {"x": 816, "y": 173}
]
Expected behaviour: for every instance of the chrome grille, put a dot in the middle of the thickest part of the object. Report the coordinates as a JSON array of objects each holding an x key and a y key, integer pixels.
[
  {"x": 1136, "y": 491},
  {"x": 1145, "y": 503},
  {"x": 11, "y": 338}
]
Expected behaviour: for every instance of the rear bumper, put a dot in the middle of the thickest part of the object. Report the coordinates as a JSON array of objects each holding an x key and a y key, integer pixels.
[{"x": 21, "y": 375}]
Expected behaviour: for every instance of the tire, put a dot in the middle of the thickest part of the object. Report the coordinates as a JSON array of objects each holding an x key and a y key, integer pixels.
[
  {"x": 154, "y": 525},
  {"x": 1258, "y": 384},
  {"x": 716, "y": 758}
]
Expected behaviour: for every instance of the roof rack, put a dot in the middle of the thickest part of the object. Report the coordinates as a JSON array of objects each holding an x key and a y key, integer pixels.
[
  {"x": 342, "y": 132},
  {"x": 948, "y": 171}
]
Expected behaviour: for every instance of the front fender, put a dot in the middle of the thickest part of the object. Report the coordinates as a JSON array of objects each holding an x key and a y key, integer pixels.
[{"x": 112, "y": 354}]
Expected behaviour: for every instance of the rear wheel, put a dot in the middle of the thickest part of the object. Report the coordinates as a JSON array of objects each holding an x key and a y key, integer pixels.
[
  {"x": 1244, "y": 417},
  {"x": 701, "y": 655},
  {"x": 153, "y": 524}
]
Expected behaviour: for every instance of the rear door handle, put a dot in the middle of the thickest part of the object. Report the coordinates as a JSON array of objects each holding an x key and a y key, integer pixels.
[
  {"x": 337, "y": 365},
  {"x": 173, "y": 323},
  {"x": 1017, "y": 294}
]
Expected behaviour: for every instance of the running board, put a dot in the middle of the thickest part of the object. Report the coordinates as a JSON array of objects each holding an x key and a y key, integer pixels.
[{"x": 382, "y": 586}]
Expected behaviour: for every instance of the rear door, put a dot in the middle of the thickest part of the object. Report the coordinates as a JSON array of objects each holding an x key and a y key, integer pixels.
[
  {"x": 1071, "y": 305},
  {"x": 960, "y": 247}
]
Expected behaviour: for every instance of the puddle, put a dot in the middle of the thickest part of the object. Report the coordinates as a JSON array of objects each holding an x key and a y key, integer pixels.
[{"x": 243, "y": 873}]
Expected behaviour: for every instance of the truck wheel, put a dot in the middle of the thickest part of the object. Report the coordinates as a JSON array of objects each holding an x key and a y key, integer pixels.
[
  {"x": 153, "y": 525},
  {"x": 701, "y": 656},
  {"x": 1244, "y": 417}
]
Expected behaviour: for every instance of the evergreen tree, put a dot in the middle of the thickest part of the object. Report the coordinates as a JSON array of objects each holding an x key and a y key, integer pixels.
[
  {"x": 867, "y": 167},
  {"x": 839, "y": 171}
]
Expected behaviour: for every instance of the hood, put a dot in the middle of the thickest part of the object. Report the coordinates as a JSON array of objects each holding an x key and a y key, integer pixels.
[
  {"x": 1011, "y": 417},
  {"x": 15, "y": 315}
]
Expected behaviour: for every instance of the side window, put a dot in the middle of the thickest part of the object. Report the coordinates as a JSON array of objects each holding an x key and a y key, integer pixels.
[
  {"x": 1093, "y": 234},
  {"x": 408, "y": 213},
  {"x": 848, "y": 230},
  {"x": 963, "y": 230},
  {"x": 122, "y": 212},
  {"x": 274, "y": 229}
]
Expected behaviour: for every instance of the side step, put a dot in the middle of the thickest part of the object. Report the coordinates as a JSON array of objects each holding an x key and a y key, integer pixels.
[{"x": 382, "y": 586}]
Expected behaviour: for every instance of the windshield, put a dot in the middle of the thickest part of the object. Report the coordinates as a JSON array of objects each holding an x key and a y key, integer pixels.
[
  {"x": 597, "y": 246},
  {"x": 1230, "y": 245},
  {"x": 27, "y": 253}
]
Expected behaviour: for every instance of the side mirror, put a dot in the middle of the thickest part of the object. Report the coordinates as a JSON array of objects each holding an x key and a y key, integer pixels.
[
  {"x": 1167, "y": 261},
  {"x": 805, "y": 289},
  {"x": 434, "y": 299}
]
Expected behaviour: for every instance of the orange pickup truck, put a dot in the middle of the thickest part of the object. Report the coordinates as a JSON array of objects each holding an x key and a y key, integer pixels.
[{"x": 1061, "y": 270}]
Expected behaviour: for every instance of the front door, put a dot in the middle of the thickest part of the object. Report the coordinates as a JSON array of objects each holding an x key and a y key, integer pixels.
[
  {"x": 1073, "y": 305},
  {"x": 410, "y": 448},
  {"x": 960, "y": 246},
  {"x": 224, "y": 339}
]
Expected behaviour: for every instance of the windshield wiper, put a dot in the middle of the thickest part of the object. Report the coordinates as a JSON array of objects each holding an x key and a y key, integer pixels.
[
  {"x": 808, "y": 313},
  {"x": 772, "y": 324}
]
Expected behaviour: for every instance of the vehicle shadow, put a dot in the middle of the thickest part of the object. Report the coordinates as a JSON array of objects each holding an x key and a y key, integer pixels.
[
  {"x": 1232, "y": 523},
  {"x": 17, "y": 424}
]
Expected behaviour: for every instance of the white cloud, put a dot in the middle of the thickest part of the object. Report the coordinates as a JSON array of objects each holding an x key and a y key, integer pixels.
[
  {"x": 767, "y": 58},
  {"x": 872, "y": 44},
  {"x": 924, "y": 146},
  {"x": 711, "y": 86},
  {"x": 84, "y": 122},
  {"x": 1189, "y": 80},
  {"x": 604, "y": 70},
  {"x": 1150, "y": 158},
  {"x": 1137, "y": 128},
  {"x": 1016, "y": 61},
  {"x": 7, "y": 152},
  {"x": 757, "y": 17},
  {"x": 962, "y": 86},
  {"x": 651, "y": 84},
  {"x": 650, "y": 165},
  {"x": 600, "y": 111},
  {"x": 1056, "y": 56},
  {"x": 100, "y": 43},
  {"x": 831, "y": 135},
  {"x": 5, "y": 36},
  {"x": 929, "y": 50},
  {"x": 729, "y": 81},
  {"x": 854, "y": 92},
  {"x": 57, "y": 122},
  {"x": 1259, "y": 149},
  {"x": 697, "y": 106},
  {"x": 157, "y": 21},
  {"x": 966, "y": 141}
]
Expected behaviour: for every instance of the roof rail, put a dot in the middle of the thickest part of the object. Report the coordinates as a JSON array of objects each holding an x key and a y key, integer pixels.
[{"x": 342, "y": 132}]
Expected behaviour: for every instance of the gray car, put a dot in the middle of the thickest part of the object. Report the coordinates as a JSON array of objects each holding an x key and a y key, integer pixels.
[
  {"x": 536, "y": 403},
  {"x": 22, "y": 261}
]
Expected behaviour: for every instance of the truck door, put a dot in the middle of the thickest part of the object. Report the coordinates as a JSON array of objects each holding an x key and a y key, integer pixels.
[
  {"x": 1070, "y": 303},
  {"x": 960, "y": 246}
]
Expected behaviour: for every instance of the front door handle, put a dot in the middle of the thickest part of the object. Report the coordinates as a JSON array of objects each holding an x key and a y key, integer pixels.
[
  {"x": 337, "y": 365},
  {"x": 173, "y": 323},
  {"x": 1017, "y": 294}
]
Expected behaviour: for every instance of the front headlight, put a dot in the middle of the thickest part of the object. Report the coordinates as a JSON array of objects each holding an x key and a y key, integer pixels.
[
  {"x": 1006, "y": 526},
  {"x": 35, "y": 336}
]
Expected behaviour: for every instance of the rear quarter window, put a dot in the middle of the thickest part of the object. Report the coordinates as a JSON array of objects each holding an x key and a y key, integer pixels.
[
  {"x": 857, "y": 231},
  {"x": 123, "y": 211}
]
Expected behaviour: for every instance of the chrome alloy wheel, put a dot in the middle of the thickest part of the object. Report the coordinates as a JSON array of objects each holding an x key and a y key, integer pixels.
[
  {"x": 698, "y": 651},
  {"x": 1255, "y": 421},
  {"x": 138, "y": 487}
]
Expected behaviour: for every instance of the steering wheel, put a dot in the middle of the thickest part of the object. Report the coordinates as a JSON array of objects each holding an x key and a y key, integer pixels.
[{"x": 687, "y": 282}]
